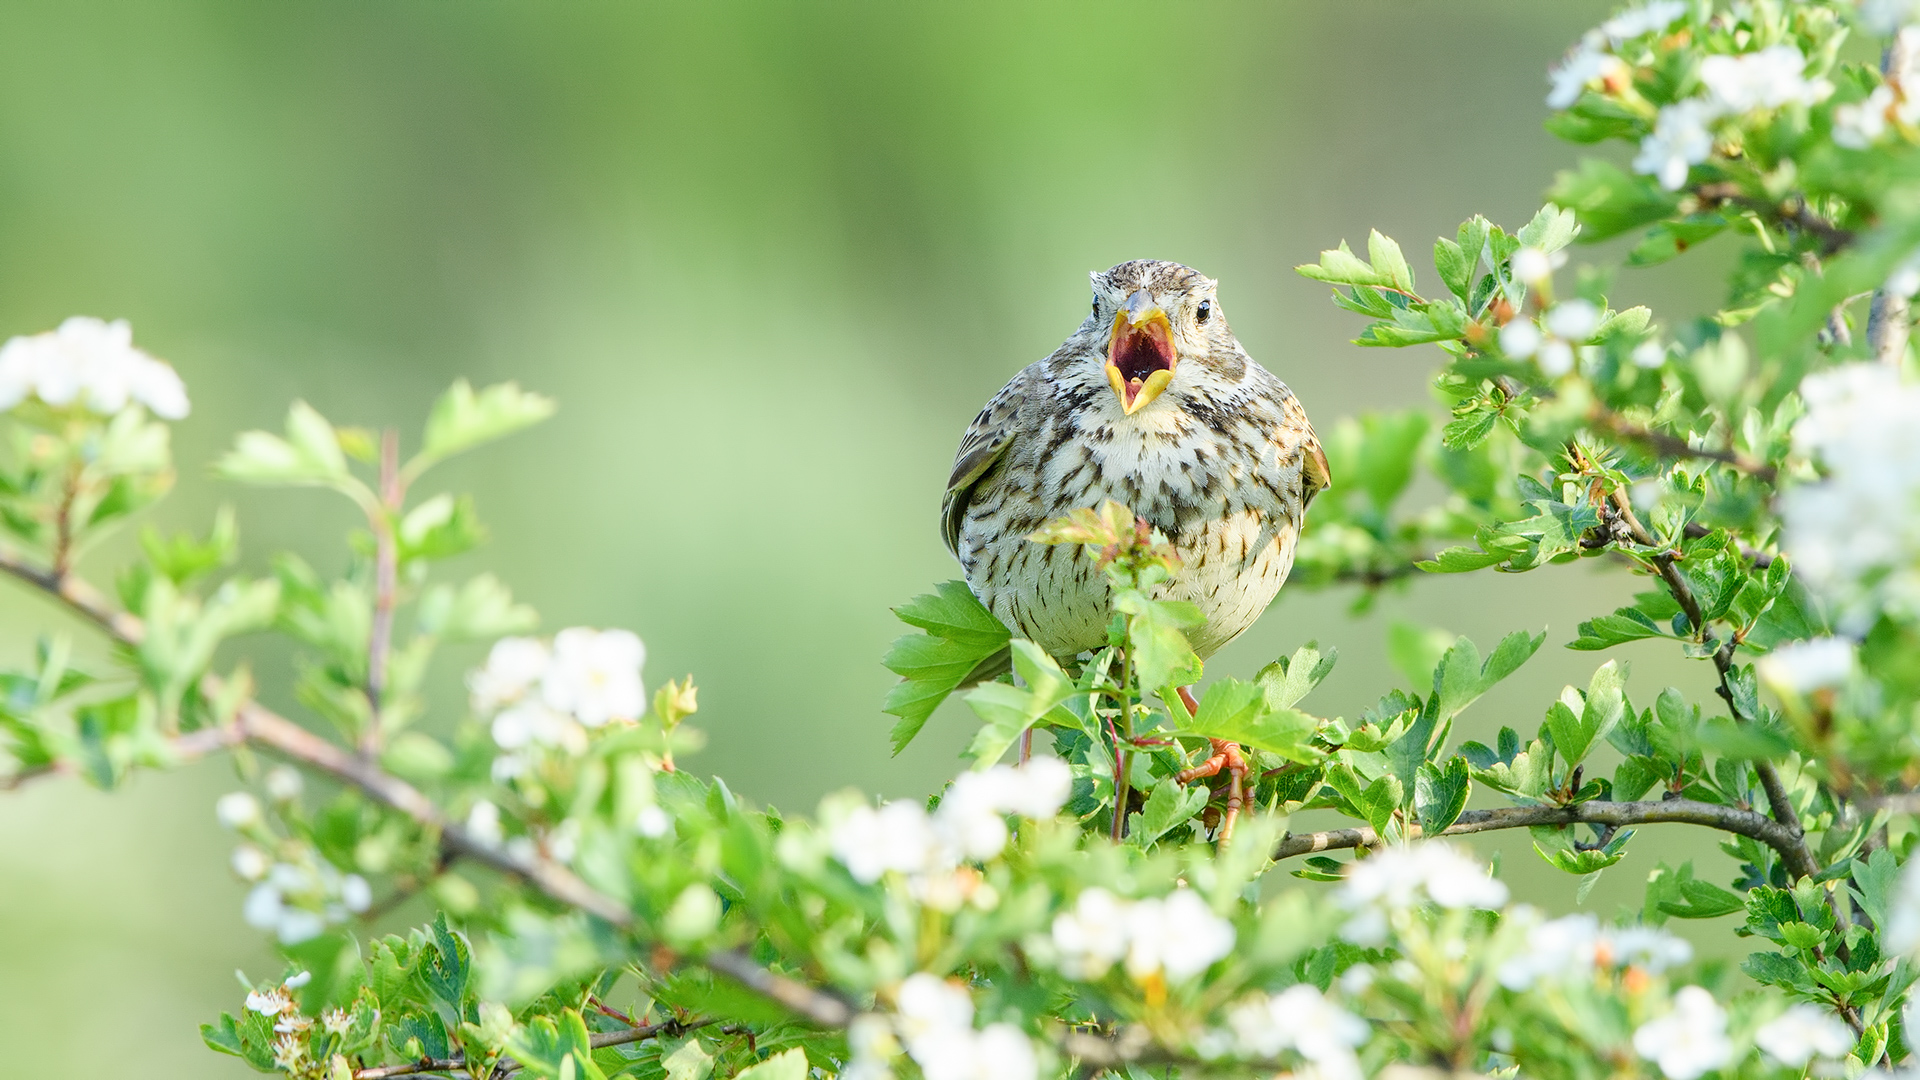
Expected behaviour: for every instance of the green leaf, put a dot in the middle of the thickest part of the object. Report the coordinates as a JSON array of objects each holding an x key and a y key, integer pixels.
[
  {"x": 1876, "y": 878},
  {"x": 1008, "y": 711},
  {"x": 440, "y": 528},
  {"x": 1440, "y": 793},
  {"x": 1624, "y": 625},
  {"x": 1456, "y": 267},
  {"x": 686, "y": 1059},
  {"x": 555, "y": 1048},
  {"x": 1551, "y": 229},
  {"x": 1579, "y": 721},
  {"x": 1388, "y": 261},
  {"x": 1170, "y": 805},
  {"x": 961, "y": 642},
  {"x": 1460, "y": 560},
  {"x": 309, "y": 454},
  {"x": 1288, "y": 679},
  {"x": 463, "y": 419},
  {"x": 182, "y": 558},
  {"x": 1609, "y": 200},
  {"x": 1161, "y": 655},
  {"x": 1238, "y": 711},
  {"x": 1556, "y": 846},
  {"x": 1462, "y": 678},
  {"x": 480, "y": 608},
  {"x": 1340, "y": 266}
]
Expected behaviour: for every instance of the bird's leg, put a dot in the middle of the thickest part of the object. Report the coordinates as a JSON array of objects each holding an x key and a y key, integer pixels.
[{"x": 1227, "y": 758}]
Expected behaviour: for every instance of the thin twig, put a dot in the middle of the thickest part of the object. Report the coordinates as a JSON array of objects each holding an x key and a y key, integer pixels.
[
  {"x": 1668, "y": 445},
  {"x": 1792, "y": 211},
  {"x": 1612, "y": 815},
  {"x": 386, "y": 560}
]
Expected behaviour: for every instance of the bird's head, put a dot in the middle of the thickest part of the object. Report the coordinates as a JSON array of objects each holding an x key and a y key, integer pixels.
[{"x": 1154, "y": 317}]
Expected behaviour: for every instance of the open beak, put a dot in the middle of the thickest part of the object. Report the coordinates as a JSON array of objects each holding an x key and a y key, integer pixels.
[{"x": 1140, "y": 354}]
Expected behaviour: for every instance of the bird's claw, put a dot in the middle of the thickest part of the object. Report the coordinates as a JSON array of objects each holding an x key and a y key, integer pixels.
[{"x": 1227, "y": 758}]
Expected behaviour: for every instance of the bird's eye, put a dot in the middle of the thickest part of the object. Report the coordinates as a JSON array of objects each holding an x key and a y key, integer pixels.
[{"x": 1206, "y": 310}]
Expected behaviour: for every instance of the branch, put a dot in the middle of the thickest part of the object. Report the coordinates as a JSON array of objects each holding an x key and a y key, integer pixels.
[
  {"x": 507, "y": 1067},
  {"x": 1791, "y": 211},
  {"x": 1667, "y": 445},
  {"x": 1730, "y": 819}
]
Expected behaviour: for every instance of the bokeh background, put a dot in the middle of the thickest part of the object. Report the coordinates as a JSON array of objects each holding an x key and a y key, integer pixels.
[{"x": 770, "y": 258}]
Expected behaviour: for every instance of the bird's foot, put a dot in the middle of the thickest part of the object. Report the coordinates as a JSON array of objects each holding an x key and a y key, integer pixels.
[{"x": 1226, "y": 758}]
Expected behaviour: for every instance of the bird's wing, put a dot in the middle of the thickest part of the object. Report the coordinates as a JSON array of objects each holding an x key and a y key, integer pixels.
[
  {"x": 1319, "y": 476},
  {"x": 984, "y": 444}
]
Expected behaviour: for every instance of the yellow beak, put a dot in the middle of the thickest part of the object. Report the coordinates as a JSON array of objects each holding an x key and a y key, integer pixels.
[{"x": 1140, "y": 355}]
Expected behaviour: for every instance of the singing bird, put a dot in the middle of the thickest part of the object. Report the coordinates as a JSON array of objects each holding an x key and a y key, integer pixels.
[{"x": 1152, "y": 403}]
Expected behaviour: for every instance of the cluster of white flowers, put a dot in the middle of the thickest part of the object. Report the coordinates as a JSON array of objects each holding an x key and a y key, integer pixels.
[
  {"x": 1399, "y": 879},
  {"x": 1855, "y": 536},
  {"x": 1803, "y": 1033},
  {"x": 1591, "y": 62},
  {"x": 1690, "y": 1041},
  {"x": 1299, "y": 1019},
  {"x": 544, "y": 698},
  {"x": 1551, "y": 342},
  {"x": 292, "y": 1027},
  {"x": 1860, "y": 124},
  {"x": 297, "y": 900},
  {"x": 90, "y": 363},
  {"x": 1805, "y": 666},
  {"x": 1175, "y": 937},
  {"x": 970, "y": 824},
  {"x": 1575, "y": 946},
  {"x": 1683, "y": 132},
  {"x": 935, "y": 1022}
]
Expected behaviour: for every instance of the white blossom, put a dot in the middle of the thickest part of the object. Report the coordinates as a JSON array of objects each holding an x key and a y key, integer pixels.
[
  {"x": 283, "y": 784},
  {"x": 1573, "y": 320},
  {"x": 1400, "y": 878},
  {"x": 1585, "y": 65},
  {"x": 1520, "y": 338},
  {"x": 355, "y": 894},
  {"x": 1803, "y": 666},
  {"x": 871, "y": 1048},
  {"x": 1802, "y": 1033},
  {"x": 1691, "y": 1040},
  {"x": 1859, "y": 124},
  {"x": 896, "y": 837},
  {"x": 238, "y": 810},
  {"x": 1093, "y": 936},
  {"x": 1532, "y": 266},
  {"x": 249, "y": 862},
  {"x": 1682, "y": 138},
  {"x": 1855, "y": 536},
  {"x": 1180, "y": 936},
  {"x": 1903, "y": 922},
  {"x": 936, "y": 1023},
  {"x": 483, "y": 824},
  {"x": 1299, "y": 1018},
  {"x": 1645, "y": 19},
  {"x": 927, "y": 1004},
  {"x": 91, "y": 363},
  {"x": 1884, "y": 17},
  {"x": 514, "y": 666},
  {"x": 270, "y": 1002},
  {"x": 652, "y": 822},
  {"x": 1650, "y": 353},
  {"x": 1767, "y": 79},
  {"x": 595, "y": 675},
  {"x": 1576, "y": 945}
]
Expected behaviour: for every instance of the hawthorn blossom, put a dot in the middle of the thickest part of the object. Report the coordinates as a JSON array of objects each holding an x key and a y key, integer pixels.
[
  {"x": 1576, "y": 945},
  {"x": 1859, "y": 124},
  {"x": 89, "y": 363},
  {"x": 1802, "y": 1033},
  {"x": 1520, "y": 338},
  {"x": 283, "y": 784},
  {"x": 970, "y": 823},
  {"x": 595, "y": 675},
  {"x": 936, "y": 1024},
  {"x": 238, "y": 810},
  {"x": 1767, "y": 79},
  {"x": 514, "y": 666},
  {"x": 1300, "y": 1019},
  {"x": 1179, "y": 936},
  {"x": 1091, "y": 937},
  {"x": 299, "y": 901},
  {"x": 1531, "y": 266},
  {"x": 652, "y": 822},
  {"x": 250, "y": 863},
  {"x": 1650, "y": 353},
  {"x": 1803, "y": 666},
  {"x": 872, "y": 1048},
  {"x": 1682, "y": 138},
  {"x": 270, "y": 1002},
  {"x": 483, "y": 824},
  {"x": 1585, "y": 65},
  {"x": 1903, "y": 921},
  {"x": 1855, "y": 536},
  {"x": 1691, "y": 1040},
  {"x": 1649, "y": 18}
]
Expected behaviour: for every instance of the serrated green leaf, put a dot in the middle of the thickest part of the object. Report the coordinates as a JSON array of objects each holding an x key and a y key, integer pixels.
[
  {"x": 1440, "y": 793},
  {"x": 1388, "y": 261},
  {"x": 463, "y": 418},
  {"x": 1008, "y": 711},
  {"x": 1170, "y": 805},
  {"x": 1238, "y": 711},
  {"x": 1289, "y": 679}
]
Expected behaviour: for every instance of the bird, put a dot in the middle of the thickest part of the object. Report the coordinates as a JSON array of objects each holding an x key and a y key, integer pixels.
[{"x": 1153, "y": 403}]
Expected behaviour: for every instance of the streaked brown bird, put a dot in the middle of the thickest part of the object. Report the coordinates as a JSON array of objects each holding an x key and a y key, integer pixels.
[{"x": 1153, "y": 403}]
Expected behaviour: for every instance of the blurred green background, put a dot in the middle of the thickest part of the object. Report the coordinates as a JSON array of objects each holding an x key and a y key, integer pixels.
[{"x": 770, "y": 258}]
